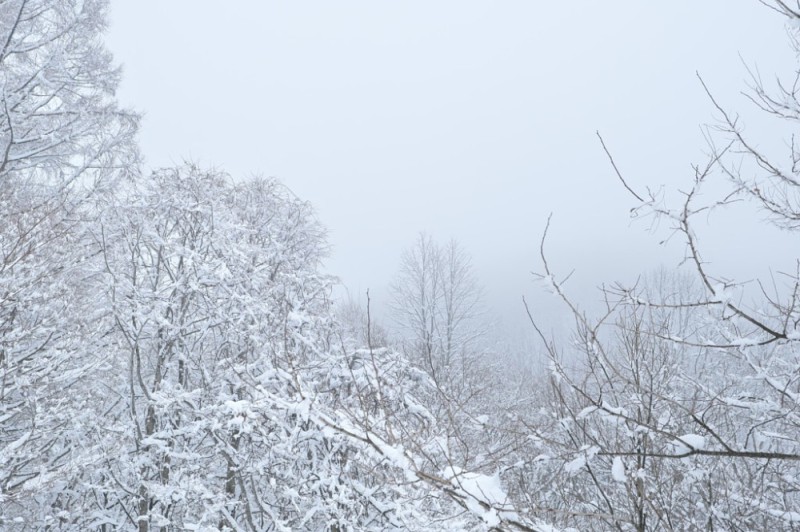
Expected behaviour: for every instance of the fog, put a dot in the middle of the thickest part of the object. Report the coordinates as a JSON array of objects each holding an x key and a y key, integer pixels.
[{"x": 466, "y": 120}]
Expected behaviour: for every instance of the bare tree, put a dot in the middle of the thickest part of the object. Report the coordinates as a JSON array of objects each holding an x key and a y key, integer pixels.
[
  {"x": 683, "y": 415},
  {"x": 437, "y": 304},
  {"x": 359, "y": 326}
]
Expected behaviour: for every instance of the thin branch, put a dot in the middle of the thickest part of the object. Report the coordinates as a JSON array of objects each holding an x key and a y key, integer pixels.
[{"x": 619, "y": 174}]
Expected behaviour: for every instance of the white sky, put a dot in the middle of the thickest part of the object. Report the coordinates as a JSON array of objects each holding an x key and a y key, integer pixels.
[{"x": 465, "y": 119}]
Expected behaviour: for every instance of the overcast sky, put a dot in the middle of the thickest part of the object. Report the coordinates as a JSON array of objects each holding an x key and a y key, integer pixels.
[{"x": 471, "y": 120}]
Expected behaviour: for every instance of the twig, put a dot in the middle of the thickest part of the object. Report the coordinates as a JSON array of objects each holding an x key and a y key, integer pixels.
[{"x": 619, "y": 174}]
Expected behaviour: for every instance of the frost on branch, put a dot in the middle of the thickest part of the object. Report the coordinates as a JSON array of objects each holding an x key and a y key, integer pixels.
[
  {"x": 685, "y": 386},
  {"x": 63, "y": 144},
  {"x": 228, "y": 400}
]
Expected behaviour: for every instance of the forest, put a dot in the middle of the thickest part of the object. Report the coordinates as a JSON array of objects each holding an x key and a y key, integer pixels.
[{"x": 172, "y": 356}]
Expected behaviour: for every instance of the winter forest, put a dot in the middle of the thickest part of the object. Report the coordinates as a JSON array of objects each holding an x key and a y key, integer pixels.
[{"x": 173, "y": 356}]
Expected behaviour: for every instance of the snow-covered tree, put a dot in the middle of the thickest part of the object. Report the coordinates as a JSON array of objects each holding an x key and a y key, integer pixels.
[
  {"x": 63, "y": 143},
  {"x": 232, "y": 400}
]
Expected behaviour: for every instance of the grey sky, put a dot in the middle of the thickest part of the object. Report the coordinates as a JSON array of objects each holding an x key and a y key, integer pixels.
[{"x": 465, "y": 119}]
